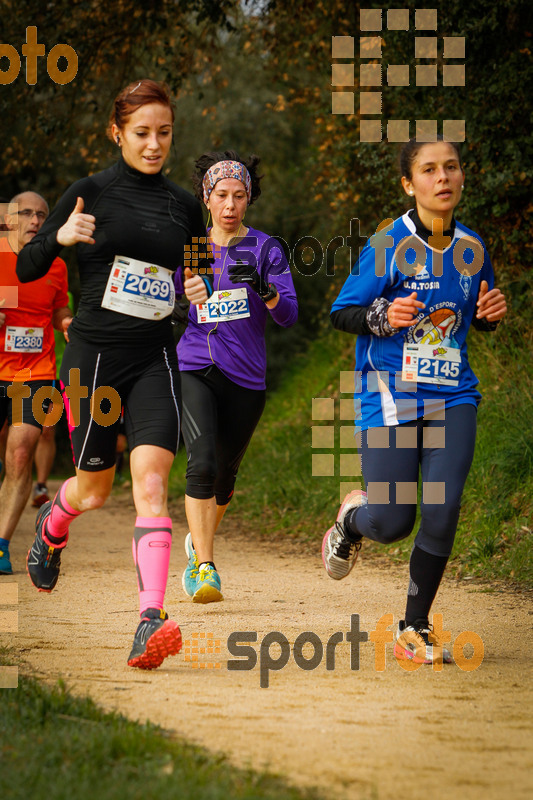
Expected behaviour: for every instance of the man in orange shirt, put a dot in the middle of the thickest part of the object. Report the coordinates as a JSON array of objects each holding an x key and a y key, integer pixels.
[{"x": 28, "y": 314}]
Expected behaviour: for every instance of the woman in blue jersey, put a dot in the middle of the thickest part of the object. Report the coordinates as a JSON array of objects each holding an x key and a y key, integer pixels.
[
  {"x": 411, "y": 298},
  {"x": 222, "y": 353}
]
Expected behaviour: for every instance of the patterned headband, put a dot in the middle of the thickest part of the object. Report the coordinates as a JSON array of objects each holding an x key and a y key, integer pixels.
[{"x": 226, "y": 169}]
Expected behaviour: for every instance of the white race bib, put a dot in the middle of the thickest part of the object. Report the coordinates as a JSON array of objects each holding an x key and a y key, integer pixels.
[
  {"x": 226, "y": 305},
  {"x": 23, "y": 340},
  {"x": 139, "y": 289},
  {"x": 428, "y": 363}
]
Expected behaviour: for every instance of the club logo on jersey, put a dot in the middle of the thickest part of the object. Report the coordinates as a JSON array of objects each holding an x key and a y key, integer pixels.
[
  {"x": 437, "y": 327},
  {"x": 465, "y": 282},
  {"x": 420, "y": 279},
  {"x": 421, "y": 273}
]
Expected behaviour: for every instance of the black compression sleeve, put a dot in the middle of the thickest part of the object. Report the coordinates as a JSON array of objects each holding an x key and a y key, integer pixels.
[
  {"x": 351, "y": 319},
  {"x": 483, "y": 324},
  {"x": 35, "y": 258}
]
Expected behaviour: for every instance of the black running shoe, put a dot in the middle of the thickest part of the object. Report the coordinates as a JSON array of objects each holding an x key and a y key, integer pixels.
[
  {"x": 44, "y": 560},
  {"x": 155, "y": 638}
]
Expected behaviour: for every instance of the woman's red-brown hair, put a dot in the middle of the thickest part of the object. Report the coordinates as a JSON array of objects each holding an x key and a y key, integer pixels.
[{"x": 134, "y": 96}]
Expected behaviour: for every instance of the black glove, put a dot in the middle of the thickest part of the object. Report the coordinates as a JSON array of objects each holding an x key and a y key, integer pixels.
[
  {"x": 180, "y": 314},
  {"x": 247, "y": 273}
]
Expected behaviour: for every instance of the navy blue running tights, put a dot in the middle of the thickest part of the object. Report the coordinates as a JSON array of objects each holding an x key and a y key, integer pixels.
[{"x": 441, "y": 450}]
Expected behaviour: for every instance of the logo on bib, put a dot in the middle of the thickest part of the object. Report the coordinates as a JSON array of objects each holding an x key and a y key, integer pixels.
[{"x": 438, "y": 328}]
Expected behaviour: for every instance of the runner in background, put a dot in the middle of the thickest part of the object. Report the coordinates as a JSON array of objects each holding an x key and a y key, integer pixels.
[
  {"x": 411, "y": 300},
  {"x": 28, "y": 314},
  {"x": 3, "y": 429},
  {"x": 130, "y": 226},
  {"x": 3, "y": 441},
  {"x": 45, "y": 454},
  {"x": 46, "y": 450},
  {"x": 222, "y": 353}
]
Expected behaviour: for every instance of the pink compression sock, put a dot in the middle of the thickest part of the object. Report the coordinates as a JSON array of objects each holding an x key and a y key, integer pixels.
[
  {"x": 152, "y": 540},
  {"x": 61, "y": 515}
]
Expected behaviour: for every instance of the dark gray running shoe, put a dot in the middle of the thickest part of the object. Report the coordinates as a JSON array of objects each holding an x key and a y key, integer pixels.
[
  {"x": 155, "y": 638},
  {"x": 44, "y": 560}
]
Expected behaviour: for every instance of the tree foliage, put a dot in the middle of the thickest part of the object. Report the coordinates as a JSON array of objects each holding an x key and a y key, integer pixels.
[
  {"x": 55, "y": 133},
  {"x": 359, "y": 179}
]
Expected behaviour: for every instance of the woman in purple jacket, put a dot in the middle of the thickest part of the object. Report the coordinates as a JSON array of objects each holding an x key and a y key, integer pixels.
[{"x": 222, "y": 353}]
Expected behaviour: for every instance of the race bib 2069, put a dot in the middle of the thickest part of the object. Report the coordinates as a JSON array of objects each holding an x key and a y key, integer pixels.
[{"x": 139, "y": 289}]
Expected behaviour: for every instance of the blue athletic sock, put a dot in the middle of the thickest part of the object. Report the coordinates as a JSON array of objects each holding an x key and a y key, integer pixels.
[{"x": 4, "y": 545}]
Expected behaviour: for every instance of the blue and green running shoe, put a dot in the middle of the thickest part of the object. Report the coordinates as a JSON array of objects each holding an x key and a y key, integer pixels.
[
  {"x": 207, "y": 585},
  {"x": 5, "y": 563},
  {"x": 188, "y": 580}
]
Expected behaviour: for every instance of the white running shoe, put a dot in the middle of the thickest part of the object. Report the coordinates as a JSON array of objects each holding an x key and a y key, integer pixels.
[
  {"x": 339, "y": 554},
  {"x": 40, "y": 495},
  {"x": 418, "y": 643}
]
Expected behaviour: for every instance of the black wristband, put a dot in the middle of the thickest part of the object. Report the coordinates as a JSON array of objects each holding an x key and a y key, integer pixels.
[{"x": 270, "y": 295}]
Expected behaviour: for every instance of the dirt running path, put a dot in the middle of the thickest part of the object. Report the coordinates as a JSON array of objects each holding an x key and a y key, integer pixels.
[{"x": 355, "y": 734}]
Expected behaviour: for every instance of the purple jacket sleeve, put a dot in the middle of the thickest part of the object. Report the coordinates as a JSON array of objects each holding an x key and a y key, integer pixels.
[{"x": 275, "y": 269}]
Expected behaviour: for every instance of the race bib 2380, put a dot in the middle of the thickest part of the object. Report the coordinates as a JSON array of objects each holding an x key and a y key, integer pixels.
[{"x": 23, "y": 340}]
